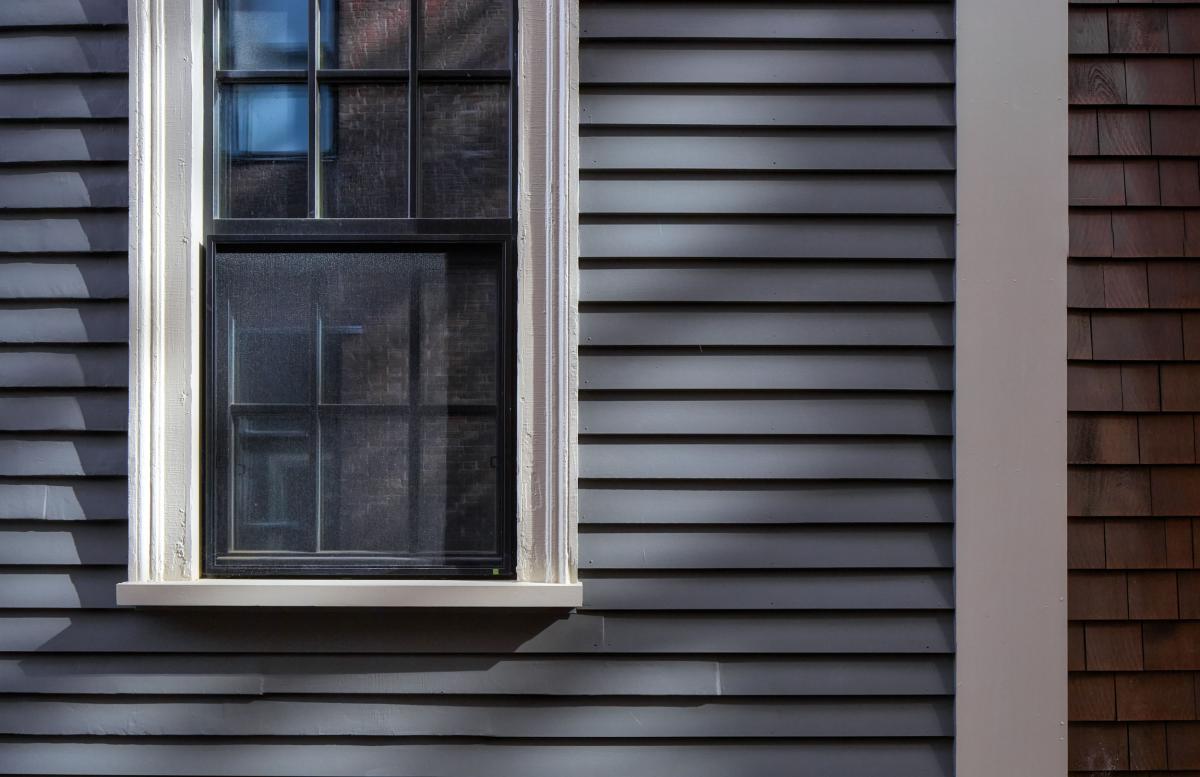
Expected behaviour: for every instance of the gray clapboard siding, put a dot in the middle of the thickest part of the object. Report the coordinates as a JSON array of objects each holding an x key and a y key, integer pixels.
[
  {"x": 791, "y": 195},
  {"x": 766, "y": 64},
  {"x": 91, "y": 588},
  {"x": 92, "y": 142},
  {"x": 701, "y": 503},
  {"x": 793, "y": 591},
  {"x": 537, "y": 718},
  {"x": 91, "y": 322},
  {"x": 746, "y": 281},
  {"x": 44, "y": 13},
  {"x": 350, "y": 675},
  {"x": 64, "y": 500},
  {"x": 931, "y": 106},
  {"x": 800, "y": 150},
  {"x": 817, "y": 547},
  {"x": 321, "y": 758},
  {"x": 75, "y": 456},
  {"x": 93, "y": 98},
  {"x": 93, "y": 412},
  {"x": 777, "y": 369},
  {"x": 64, "y": 277},
  {"x": 159, "y": 675},
  {"x": 851, "y": 21},
  {"x": 77, "y": 367},
  {"x": 64, "y": 233},
  {"x": 96, "y": 187},
  {"x": 795, "y": 238},
  {"x": 765, "y": 633},
  {"x": 877, "y": 325},
  {"x": 822, "y": 503},
  {"x": 45, "y": 543},
  {"x": 77, "y": 51},
  {"x": 860, "y": 414},
  {"x": 703, "y": 459}
]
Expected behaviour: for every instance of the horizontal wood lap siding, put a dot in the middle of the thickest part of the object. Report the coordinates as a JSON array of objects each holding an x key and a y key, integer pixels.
[
  {"x": 766, "y": 375},
  {"x": 1134, "y": 598},
  {"x": 767, "y": 197}
]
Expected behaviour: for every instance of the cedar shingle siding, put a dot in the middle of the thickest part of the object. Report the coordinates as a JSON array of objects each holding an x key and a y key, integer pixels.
[
  {"x": 1134, "y": 289},
  {"x": 766, "y": 539}
]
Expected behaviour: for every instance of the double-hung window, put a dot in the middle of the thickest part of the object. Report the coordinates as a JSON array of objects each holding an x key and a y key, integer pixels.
[
  {"x": 353, "y": 342},
  {"x": 359, "y": 268}
]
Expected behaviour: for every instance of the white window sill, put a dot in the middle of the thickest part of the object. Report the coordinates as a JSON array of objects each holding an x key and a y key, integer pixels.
[{"x": 351, "y": 593}]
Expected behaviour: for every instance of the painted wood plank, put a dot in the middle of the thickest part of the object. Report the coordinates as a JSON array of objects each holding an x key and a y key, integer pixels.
[
  {"x": 798, "y": 238},
  {"x": 91, "y": 322},
  {"x": 747, "y": 326},
  {"x": 95, "y": 187},
  {"x": 840, "y": 590},
  {"x": 42, "y": 13},
  {"x": 37, "y": 543},
  {"x": 814, "y": 547},
  {"x": 166, "y": 631},
  {"x": 78, "y": 51},
  {"x": 858, "y": 369},
  {"x": 760, "y": 64},
  {"x": 64, "y": 500},
  {"x": 78, "y": 367},
  {"x": 79, "y": 456},
  {"x": 738, "y": 504},
  {"x": 850, "y": 21},
  {"x": 867, "y": 414},
  {"x": 842, "y": 194},
  {"x": 93, "y": 98},
  {"x": 93, "y": 411},
  {"x": 524, "y": 717},
  {"x": 931, "y": 106},
  {"x": 705, "y": 460},
  {"x": 748, "y": 281},
  {"x": 64, "y": 277},
  {"x": 97, "y": 231},
  {"x": 800, "y": 150},
  {"x": 91, "y": 142},
  {"x": 85, "y": 588},
  {"x": 524, "y": 759},
  {"x": 350, "y": 675}
]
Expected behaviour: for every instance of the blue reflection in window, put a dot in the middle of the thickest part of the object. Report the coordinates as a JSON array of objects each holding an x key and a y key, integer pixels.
[
  {"x": 271, "y": 120},
  {"x": 265, "y": 34}
]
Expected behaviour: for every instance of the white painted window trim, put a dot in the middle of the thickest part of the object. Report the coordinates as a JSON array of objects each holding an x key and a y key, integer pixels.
[
  {"x": 166, "y": 297},
  {"x": 1011, "y": 389}
]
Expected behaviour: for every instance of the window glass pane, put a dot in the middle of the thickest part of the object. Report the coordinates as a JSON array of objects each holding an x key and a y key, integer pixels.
[
  {"x": 458, "y": 481},
  {"x": 465, "y": 34},
  {"x": 264, "y": 35},
  {"x": 364, "y": 34},
  {"x": 464, "y": 151},
  {"x": 272, "y": 483},
  {"x": 405, "y": 420},
  {"x": 365, "y": 483},
  {"x": 364, "y": 157},
  {"x": 262, "y": 145}
]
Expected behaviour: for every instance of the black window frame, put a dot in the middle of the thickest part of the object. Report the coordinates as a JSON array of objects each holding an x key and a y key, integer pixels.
[{"x": 315, "y": 234}]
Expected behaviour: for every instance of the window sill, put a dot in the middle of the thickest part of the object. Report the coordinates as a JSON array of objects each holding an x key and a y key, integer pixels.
[{"x": 351, "y": 593}]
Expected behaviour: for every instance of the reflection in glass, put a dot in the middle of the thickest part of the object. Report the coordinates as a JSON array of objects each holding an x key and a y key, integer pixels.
[
  {"x": 365, "y": 483},
  {"x": 264, "y": 35},
  {"x": 272, "y": 493},
  {"x": 263, "y": 151},
  {"x": 356, "y": 393},
  {"x": 364, "y": 34},
  {"x": 364, "y": 159},
  {"x": 464, "y": 151},
  {"x": 465, "y": 34}
]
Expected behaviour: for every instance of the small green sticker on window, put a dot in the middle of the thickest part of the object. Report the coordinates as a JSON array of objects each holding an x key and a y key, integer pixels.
[{"x": 495, "y": 571}]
